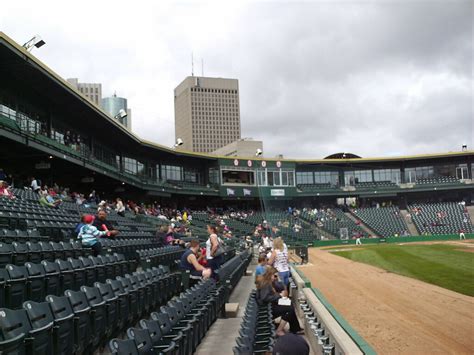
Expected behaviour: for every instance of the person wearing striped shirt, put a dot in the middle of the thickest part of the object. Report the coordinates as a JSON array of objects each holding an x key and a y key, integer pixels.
[{"x": 89, "y": 235}]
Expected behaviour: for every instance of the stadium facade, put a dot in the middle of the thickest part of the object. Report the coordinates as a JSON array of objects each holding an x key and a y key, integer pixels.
[{"x": 37, "y": 108}]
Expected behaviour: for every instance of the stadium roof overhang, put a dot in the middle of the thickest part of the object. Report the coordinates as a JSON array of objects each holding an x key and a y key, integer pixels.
[{"x": 21, "y": 67}]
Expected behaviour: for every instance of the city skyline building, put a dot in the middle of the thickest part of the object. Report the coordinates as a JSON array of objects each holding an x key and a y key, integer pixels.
[
  {"x": 207, "y": 113},
  {"x": 92, "y": 91},
  {"x": 113, "y": 104}
]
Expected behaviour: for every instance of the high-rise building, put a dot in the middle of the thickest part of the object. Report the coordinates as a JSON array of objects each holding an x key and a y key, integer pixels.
[
  {"x": 245, "y": 147},
  {"x": 112, "y": 105},
  {"x": 207, "y": 113},
  {"x": 93, "y": 91}
]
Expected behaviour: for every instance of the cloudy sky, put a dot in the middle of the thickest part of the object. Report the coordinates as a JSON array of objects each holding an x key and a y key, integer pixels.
[{"x": 376, "y": 78}]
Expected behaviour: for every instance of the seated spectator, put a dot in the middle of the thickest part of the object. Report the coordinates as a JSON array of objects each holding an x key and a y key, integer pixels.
[
  {"x": 103, "y": 225},
  {"x": 5, "y": 190},
  {"x": 119, "y": 207},
  {"x": 291, "y": 344},
  {"x": 266, "y": 293},
  {"x": 166, "y": 236},
  {"x": 262, "y": 263},
  {"x": 46, "y": 202},
  {"x": 189, "y": 261},
  {"x": 89, "y": 235}
]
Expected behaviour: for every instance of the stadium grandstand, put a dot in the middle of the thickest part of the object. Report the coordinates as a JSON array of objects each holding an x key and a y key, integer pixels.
[{"x": 132, "y": 295}]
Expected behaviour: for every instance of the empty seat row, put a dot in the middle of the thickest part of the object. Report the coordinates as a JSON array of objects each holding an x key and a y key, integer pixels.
[
  {"x": 230, "y": 272},
  {"x": 19, "y": 253},
  {"x": 257, "y": 330},
  {"x": 82, "y": 321},
  {"x": 167, "y": 255},
  {"x": 178, "y": 328},
  {"x": 34, "y": 281}
]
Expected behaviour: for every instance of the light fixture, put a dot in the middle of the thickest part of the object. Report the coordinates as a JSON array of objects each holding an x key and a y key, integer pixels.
[
  {"x": 50, "y": 157},
  {"x": 121, "y": 114},
  {"x": 258, "y": 152},
  {"x": 123, "y": 183},
  {"x": 178, "y": 143},
  {"x": 36, "y": 41}
]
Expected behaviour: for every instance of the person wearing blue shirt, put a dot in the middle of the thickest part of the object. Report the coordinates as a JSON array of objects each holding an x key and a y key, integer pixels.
[{"x": 262, "y": 263}]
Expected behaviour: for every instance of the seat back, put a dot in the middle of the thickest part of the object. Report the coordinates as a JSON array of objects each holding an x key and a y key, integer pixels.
[
  {"x": 142, "y": 339},
  {"x": 6, "y": 253},
  {"x": 14, "y": 328},
  {"x": 16, "y": 292},
  {"x": 82, "y": 322},
  {"x": 123, "y": 347},
  {"x": 42, "y": 321},
  {"x": 52, "y": 278},
  {"x": 36, "y": 282},
  {"x": 63, "y": 331}
]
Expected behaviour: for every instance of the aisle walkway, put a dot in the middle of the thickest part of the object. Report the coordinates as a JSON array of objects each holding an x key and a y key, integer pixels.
[{"x": 220, "y": 338}]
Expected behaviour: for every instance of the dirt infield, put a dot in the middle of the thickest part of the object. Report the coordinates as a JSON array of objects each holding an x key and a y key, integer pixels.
[{"x": 395, "y": 314}]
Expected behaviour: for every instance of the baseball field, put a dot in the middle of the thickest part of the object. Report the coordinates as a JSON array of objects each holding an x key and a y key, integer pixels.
[
  {"x": 402, "y": 299},
  {"x": 446, "y": 265}
]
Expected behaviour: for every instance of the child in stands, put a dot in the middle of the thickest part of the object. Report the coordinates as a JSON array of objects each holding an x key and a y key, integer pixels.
[{"x": 89, "y": 235}]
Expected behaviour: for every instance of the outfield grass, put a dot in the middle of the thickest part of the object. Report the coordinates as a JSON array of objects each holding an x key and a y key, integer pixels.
[{"x": 437, "y": 264}]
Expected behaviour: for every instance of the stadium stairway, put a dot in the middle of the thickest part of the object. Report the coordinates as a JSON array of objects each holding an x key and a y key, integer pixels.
[
  {"x": 220, "y": 338},
  {"x": 411, "y": 226},
  {"x": 470, "y": 210},
  {"x": 362, "y": 225}
]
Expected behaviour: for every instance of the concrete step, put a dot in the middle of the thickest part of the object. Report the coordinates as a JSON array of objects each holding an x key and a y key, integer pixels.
[
  {"x": 411, "y": 226},
  {"x": 470, "y": 210},
  {"x": 362, "y": 225},
  {"x": 220, "y": 338}
]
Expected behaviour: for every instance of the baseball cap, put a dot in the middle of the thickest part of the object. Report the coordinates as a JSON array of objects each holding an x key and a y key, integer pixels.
[
  {"x": 291, "y": 344},
  {"x": 89, "y": 218}
]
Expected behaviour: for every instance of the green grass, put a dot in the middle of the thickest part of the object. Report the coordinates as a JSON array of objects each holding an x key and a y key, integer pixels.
[{"x": 442, "y": 265}]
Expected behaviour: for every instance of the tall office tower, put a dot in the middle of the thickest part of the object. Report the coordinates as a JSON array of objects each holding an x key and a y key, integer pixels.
[
  {"x": 112, "y": 105},
  {"x": 93, "y": 91},
  {"x": 207, "y": 113}
]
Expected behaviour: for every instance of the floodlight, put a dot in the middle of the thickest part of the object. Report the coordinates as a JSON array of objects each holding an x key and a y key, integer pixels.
[
  {"x": 121, "y": 114},
  {"x": 36, "y": 41},
  {"x": 179, "y": 142},
  {"x": 258, "y": 152}
]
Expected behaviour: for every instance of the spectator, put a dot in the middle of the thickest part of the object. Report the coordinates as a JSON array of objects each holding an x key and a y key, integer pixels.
[
  {"x": 262, "y": 263},
  {"x": 5, "y": 190},
  {"x": 279, "y": 260},
  {"x": 102, "y": 224},
  {"x": 266, "y": 293},
  {"x": 213, "y": 244},
  {"x": 43, "y": 200},
  {"x": 291, "y": 344},
  {"x": 80, "y": 224},
  {"x": 166, "y": 236},
  {"x": 92, "y": 197},
  {"x": 89, "y": 234},
  {"x": 190, "y": 262},
  {"x": 35, "y": 185},
  {"x": 119, "y": 207}
]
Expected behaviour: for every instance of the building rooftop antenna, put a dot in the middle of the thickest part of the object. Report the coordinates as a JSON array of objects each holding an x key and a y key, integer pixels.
[
  {"x": 202, "y": 67},
  {"x": 192, "y": 64}
]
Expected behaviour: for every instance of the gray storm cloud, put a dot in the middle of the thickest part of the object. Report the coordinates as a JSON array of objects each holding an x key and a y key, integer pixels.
[{"x": 373, "y": 78}]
